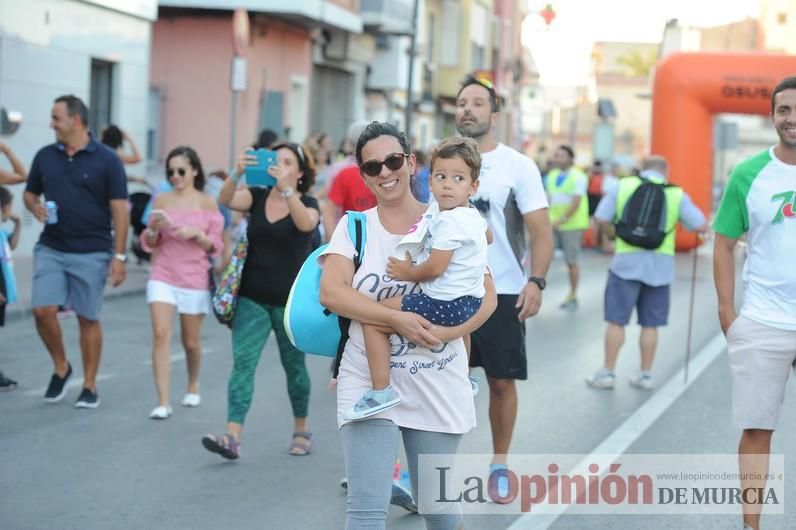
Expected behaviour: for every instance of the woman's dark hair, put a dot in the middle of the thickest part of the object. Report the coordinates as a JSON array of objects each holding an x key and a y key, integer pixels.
[
  {"x": 5, "y": 197},
  {"x": 319, "y": 140},
  {"x": 112, "y": 137},
  {"x": 193, "y": 159},
  {"x": 265, "y": 139},
  {"x": 306, "y": 165},
  {"x": 380, "y": 128}
]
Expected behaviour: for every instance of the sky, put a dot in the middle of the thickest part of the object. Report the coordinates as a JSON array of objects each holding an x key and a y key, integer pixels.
[{"x": 562, "y": 51}]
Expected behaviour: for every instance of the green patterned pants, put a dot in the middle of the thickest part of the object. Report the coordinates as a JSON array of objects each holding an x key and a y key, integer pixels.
[{"x": 250, "y": 329}]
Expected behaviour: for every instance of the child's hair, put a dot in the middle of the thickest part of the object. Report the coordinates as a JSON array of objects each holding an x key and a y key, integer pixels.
[
  {"x": 464, "y": 148},
  {"x": 5, "y": 197}
]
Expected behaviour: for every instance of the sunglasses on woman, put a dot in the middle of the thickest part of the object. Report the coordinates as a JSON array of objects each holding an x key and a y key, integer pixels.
[
  {"x": 394, "y": 162},
  {"x": 180, "y": 171}
]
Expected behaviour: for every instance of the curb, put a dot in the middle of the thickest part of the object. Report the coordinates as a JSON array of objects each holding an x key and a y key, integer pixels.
[{"x": 14, "y": 314}]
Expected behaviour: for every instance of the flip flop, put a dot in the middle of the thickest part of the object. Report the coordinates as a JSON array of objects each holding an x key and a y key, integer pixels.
[
  {"x": 301, "y": 448},
  {"x": 224, "y": 444}
]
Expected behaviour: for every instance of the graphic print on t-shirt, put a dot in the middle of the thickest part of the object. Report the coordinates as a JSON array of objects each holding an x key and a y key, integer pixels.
[
  {"x": 785, "y": 209},
  {"x": 481, "y": 204},
  {"x": 384, "y": 287}
]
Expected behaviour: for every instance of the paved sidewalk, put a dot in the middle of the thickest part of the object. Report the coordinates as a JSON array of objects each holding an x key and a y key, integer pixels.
[{"x": 23, "y": 268}]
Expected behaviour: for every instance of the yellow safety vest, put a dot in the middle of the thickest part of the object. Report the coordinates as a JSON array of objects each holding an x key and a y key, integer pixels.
[
  {"x": 580, "y": 219},
  {"x": 674, "y": 195}
]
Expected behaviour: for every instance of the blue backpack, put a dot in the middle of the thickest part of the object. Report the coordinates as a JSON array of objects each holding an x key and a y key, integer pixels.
[{"x": 311, "y": 327}]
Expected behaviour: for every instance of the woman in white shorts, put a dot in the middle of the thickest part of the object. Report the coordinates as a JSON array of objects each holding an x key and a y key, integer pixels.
[{"x": 184, "y": 230}]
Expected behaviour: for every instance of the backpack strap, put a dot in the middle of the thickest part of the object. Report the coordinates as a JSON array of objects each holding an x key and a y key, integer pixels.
[{"x": 358, "y": 234}]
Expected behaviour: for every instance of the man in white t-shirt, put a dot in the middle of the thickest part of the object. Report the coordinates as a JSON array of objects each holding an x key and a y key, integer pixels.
[
  {"x": 759, "y": 202},
  {"x": 512, "y": 199}
]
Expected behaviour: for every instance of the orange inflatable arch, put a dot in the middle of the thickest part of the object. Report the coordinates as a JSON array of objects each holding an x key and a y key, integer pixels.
[{"x": 689, "y": 89}]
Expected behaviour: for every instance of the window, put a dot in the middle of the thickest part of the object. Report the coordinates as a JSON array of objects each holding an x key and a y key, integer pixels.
[
  {"x": 153, "y": 127},
  {"x": 298, "y": 109},
  {"x": 100, "y": 104},
  {"x": 477, "y": 56},
  {"x": 382, "y": 41},
  {"x": 478, "y": 37},
  {"x": 272, "y": 108},
  {"x": 449, "y": 34},
  {"x": 432, "y": 22}
]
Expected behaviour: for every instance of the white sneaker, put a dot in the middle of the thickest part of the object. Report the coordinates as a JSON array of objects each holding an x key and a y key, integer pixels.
[
  {"x": 644, "y": 382},
  {"x": 373, "y": 402},
  {"x": 160, "y": 413},
  {"x": 602, "y": 378},
  {"x": 191, "y": 400}
]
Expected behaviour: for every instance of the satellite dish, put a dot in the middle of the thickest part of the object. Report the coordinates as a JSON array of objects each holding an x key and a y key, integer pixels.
[{"x": 9, "y": 121}]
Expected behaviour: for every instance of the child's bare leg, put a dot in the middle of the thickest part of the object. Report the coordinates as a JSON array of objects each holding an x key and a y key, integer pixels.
[{"x": 377, "y": 346}]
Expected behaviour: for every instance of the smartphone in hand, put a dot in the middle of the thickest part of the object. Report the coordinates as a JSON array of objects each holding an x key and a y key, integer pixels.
[
  {"x": 257, "y": 176},
  {"x": 157, "y": 212}
]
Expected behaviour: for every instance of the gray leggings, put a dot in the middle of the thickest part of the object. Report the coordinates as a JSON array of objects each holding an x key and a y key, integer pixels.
[{"x": 370, "y": 448}]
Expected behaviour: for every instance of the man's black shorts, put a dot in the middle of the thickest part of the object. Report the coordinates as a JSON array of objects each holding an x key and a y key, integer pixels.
[{"x": 499, "y": 345}]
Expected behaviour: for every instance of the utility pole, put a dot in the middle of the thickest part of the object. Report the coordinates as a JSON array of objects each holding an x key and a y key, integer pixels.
[
  {"x": 240, "y": 42},
  {"x": 410, "y": 82}
]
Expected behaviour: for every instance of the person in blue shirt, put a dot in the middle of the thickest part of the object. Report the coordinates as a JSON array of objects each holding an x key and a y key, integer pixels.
[
  {"x": 639, "y": 278},
  {"x": 83, "y": 241},
  {"x": 419, "y": 183}
]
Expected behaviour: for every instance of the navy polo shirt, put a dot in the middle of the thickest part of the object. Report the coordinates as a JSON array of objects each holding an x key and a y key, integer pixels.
[{"x": 82, "y": 185}]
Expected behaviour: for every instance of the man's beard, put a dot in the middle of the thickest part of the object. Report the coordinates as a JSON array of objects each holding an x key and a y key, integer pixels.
[{"x": 473, "y": 129}]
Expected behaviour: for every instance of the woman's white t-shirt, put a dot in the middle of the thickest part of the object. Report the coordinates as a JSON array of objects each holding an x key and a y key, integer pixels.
[{"x": 435, "y": 392}]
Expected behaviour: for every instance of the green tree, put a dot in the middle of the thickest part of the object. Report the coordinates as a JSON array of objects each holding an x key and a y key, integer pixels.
[{"x": 638, "y": 63}]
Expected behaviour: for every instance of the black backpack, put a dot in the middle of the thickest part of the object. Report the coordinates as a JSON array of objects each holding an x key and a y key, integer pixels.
[{"x": 643, "y": 220}]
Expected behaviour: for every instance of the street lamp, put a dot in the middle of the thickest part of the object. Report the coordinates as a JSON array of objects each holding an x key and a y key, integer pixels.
[{"x": 410, "y": 82}]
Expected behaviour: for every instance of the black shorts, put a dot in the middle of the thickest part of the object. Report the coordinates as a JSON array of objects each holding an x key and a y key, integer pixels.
[
  {"x": 499, "y": 345},
  {"x": 594, "y": 200}
]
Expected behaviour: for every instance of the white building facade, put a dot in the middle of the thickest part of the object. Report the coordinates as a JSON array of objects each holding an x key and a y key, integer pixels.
[{"x": 97, "y": 50}]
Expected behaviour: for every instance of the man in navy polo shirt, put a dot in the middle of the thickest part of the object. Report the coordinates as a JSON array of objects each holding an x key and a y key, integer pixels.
[{"x": 78, "y": 249}]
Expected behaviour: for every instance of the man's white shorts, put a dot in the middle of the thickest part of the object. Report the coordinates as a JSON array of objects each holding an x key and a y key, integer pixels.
[
  {"x": 188, "y": 301},
  {"x": 760, "y": 362}
]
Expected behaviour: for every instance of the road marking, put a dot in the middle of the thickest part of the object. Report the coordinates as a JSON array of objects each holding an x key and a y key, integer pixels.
[
  {"x": 629, "y": 431},
  {"x": 72, "y": 383},
  {"x": 177, "y": 357}
]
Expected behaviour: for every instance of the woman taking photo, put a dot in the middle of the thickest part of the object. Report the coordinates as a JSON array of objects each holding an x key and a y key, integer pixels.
[
  {"x": 184, "y": 230},
  {"x": 281, "y": 222},
  {"x": 438, "y": 408}
]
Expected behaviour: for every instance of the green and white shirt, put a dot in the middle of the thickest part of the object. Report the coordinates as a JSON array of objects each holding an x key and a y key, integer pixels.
[{"x": 759, "y": 201}]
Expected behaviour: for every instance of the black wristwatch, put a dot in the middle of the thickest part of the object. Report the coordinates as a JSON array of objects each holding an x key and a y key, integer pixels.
[{"x": 539, "y": 281}]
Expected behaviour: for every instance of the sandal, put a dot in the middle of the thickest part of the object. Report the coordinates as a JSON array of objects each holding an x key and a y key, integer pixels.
[
  {"x": 299, "y": 447},
  {"x": 225, "y": 444}
]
